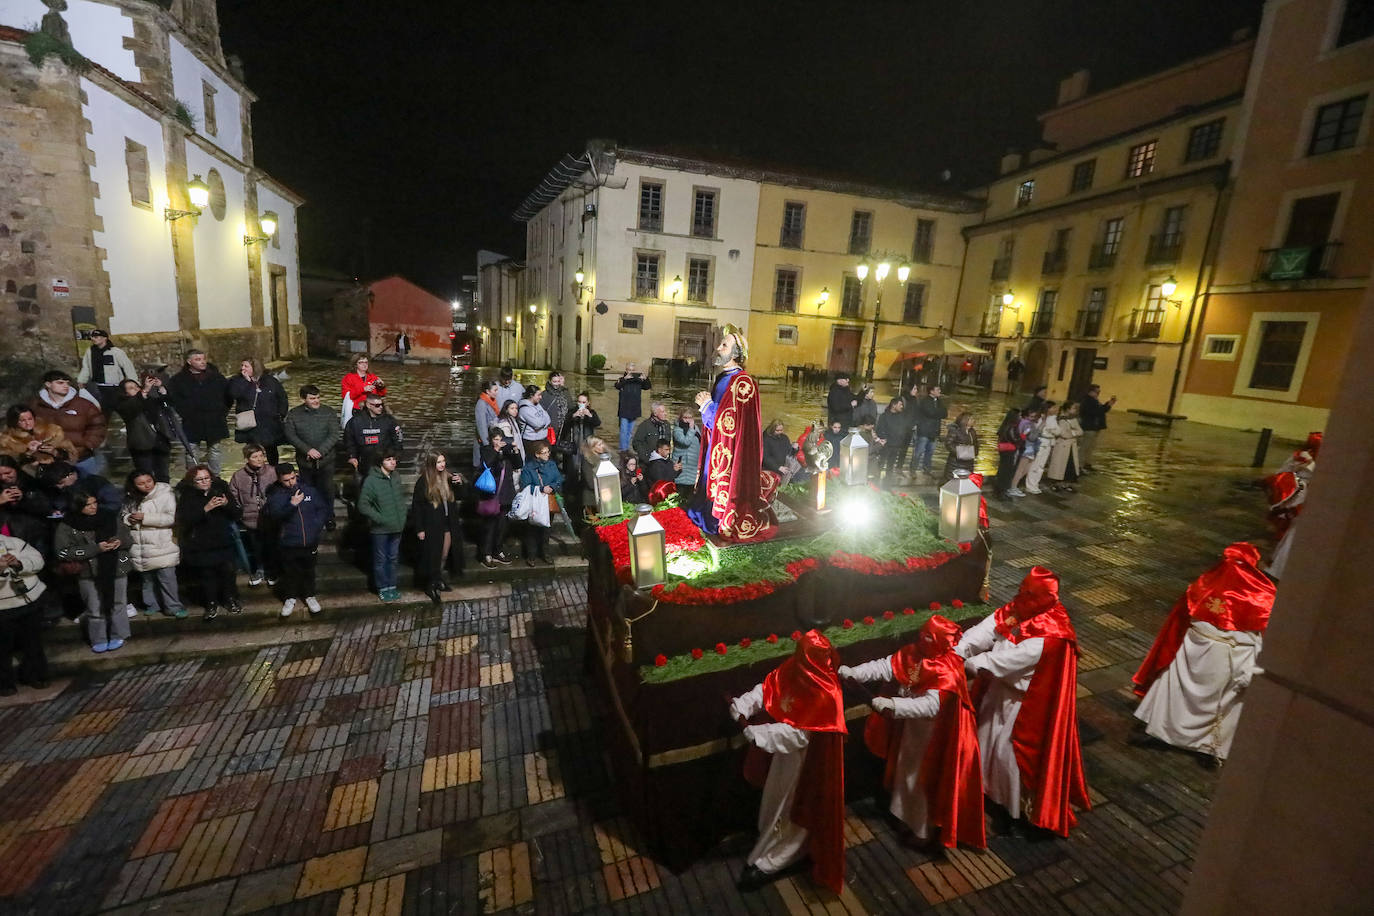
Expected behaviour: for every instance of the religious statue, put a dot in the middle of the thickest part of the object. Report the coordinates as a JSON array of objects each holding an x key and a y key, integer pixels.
[
  {"x": 733, "y": 492},
  {"x": 53, "y": 24}
]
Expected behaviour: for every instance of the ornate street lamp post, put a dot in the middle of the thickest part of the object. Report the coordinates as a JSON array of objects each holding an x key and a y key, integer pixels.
[{"x": 880, "y": 274}]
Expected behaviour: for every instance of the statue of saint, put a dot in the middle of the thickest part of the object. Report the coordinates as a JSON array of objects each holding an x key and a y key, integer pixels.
[{"x": 733, "y": 492}]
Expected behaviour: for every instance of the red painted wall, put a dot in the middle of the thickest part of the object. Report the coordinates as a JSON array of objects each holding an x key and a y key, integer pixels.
[{"x": 398, "y": 304}]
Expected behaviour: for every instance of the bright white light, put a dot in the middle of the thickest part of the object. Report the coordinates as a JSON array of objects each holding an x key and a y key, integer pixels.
[
  {"x": 457, "y": 305},
  {"x": 902, "y": 273},
  {"x": 862, "y": 271},
  {"x": 881, "y": 272}
]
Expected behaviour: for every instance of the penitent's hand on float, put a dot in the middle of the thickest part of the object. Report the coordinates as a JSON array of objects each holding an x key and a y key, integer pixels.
[
  {"x": 845, "y": 672},
  {"x": 884, "y": 705}
]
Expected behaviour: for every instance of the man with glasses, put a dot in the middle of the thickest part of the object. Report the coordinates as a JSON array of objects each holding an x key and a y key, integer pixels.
[{"x": 370, "y": 433}]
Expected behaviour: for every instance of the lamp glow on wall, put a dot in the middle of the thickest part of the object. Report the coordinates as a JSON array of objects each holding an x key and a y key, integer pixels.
[
  {"x": 854, "y": 458},
  {"x": 959, "y": 499},
  {"x": 675, "y": 287},
  {"x": 268, "y": 224},
  {"x": 198, "y": 192},
  {"x": 1008, "y": 298},
  {"x": 648, "y": 549},
  {"x": 825, "y": 297},
  {"x": 607, "y": 489}
]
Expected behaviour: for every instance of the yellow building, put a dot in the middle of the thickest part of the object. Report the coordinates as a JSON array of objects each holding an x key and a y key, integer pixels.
[
  {"x": 1088, "y": 260},
  {"x": 808, "y": 306},
  {"x": 1294, "y": 260}
]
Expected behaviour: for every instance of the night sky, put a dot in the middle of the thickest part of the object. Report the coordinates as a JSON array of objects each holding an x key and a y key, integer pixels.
[{"x": 414, "y": 129}]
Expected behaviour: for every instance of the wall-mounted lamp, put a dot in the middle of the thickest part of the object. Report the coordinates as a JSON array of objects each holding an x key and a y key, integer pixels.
[
  {"x": 268, "y": 223},
  {"x": 580, "y": 286},
  {"x": 675, "y": 287},
  {"x": 199, "y": 194},
  {"x": 508, "y": 319},
  {"x": 1008, "y": 298},
  {"x": 533, "y": 308},
  {"x": 1168, "y": 288},
  {"x": 825, "y": 297}
]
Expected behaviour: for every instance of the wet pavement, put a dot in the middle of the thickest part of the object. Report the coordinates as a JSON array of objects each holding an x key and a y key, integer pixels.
[{"x": 448, "y": 760}]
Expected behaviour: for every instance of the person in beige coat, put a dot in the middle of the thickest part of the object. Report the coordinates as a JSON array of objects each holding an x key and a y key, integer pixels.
[
  {"x": 1064, "y": 463},
  {"x": 150, "y": 510}
]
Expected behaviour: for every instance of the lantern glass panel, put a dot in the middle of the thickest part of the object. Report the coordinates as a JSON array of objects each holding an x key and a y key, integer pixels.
[
  {"x": 648, "y": 560},
  {"x": 959, "y": 499},
  {"x": 854, "y": 458},
  {"x": 608, "y": 489}
]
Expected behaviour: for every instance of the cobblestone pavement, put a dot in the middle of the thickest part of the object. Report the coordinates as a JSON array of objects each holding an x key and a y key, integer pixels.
[{"x": 448, "y": 760}]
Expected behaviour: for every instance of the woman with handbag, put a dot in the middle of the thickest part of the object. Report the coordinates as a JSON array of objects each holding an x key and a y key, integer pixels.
[
  {"x": 962, "y": 441},
  {"x": 259, "y": 407},
  {"x": 541, "y": 473},
  {"x": 502, "y": 463},
  {"x": 438, "y": 525},
  {"x": 92, "y": 546},
  {"x": 1008, "y": 447}
]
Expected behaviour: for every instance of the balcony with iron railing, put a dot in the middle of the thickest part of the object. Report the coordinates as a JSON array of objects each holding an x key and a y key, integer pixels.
[
  {"x": 1301, "y": 262},
  {"x": 1146, "y": 324},
  {"x": 1089, "y": 323},
  {"x": 1164, "y": 249},
  {"x": 1102, "y": 257},
  {"x": 1042, "y": 323},
  {"x": 1001, "y": 268},
  {"x": 1054, "y": 262}
]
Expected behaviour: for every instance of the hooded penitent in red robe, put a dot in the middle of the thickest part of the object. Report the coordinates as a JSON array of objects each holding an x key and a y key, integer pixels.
[
  {"x": 1045, "y": 735},
  {"x": 804, "y": 692},
  {"x": 1233, "y": 595},
  {"x": 951, "y": 770}
]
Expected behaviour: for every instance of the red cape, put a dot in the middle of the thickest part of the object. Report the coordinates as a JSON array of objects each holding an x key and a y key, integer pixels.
[
  {"x": 951, "y": 770},
  {"x": 1045, "y": 736},
  {"x": 738, "y": 490},
  {"x": 1233, "y": 595}
]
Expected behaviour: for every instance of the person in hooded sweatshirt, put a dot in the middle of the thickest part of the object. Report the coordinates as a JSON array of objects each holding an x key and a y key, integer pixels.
[
  {"x": 485, "y": 411},
  {"x": 78, "y": 413},
  {"x": 533, "y": 419}
]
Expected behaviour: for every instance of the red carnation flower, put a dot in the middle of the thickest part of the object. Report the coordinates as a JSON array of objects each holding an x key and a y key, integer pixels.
[
  {"x": 934, "y": 605},
  {"x": 745, "y": 643},
  {"x": 888, "y": 615},
  {"x": 660, "y": 660},
  {"x": 796, "y": 635},
  {"x": 696, "y": 653},
  {"x": 908, "y": 611},
  {"x": 772, "y": 637},
  {"x": 848, "y": 624},
  {"x": 721, "y": 648},
  {"x": 956, "y": 604},
  {"x": 868, "y": 621}
]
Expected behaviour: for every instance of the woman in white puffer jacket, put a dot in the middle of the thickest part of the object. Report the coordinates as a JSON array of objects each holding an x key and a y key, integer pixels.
[{"x": 150, "y": 510}]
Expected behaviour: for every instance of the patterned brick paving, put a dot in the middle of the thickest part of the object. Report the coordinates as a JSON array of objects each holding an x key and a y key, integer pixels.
[{"x": 449, "y": 760}]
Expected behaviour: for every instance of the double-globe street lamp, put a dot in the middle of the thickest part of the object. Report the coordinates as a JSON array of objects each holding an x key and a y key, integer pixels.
[{"x": 880, "y": 272}]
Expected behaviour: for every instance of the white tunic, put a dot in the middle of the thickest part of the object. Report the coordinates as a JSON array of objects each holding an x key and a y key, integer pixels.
[
  {"x": 1010, "y": 667},
  {"x": 908, "y": 799},
  {"x": 1196, "y": 702},
  {"x": 781, "y": 841}
]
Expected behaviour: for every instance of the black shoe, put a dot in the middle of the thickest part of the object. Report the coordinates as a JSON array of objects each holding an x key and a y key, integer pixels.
[
  {"x": 433, "y": 594},
  {"x": 503, "y": 559},
  {"x": 211, "y": 612},
  {"x": 490, "y": 562},
  {"x": 444, "y": 586},
  {"x": 544, "y": 558},
  {"x": 751, "y": 879},
  {"x": 330, "y": 525},
  {"x": 235, "y": 606}
]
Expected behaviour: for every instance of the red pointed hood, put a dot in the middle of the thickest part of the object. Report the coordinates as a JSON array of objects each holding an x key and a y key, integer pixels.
[
  {"x": 1035, "y": 611},
  {"x": 804, "y": 691}
]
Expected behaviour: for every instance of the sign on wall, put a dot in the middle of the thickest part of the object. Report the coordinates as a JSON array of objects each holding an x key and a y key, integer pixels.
[{"x": 61, "y": 289}]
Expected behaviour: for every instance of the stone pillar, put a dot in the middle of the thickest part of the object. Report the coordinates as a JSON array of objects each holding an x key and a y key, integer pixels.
[
  {"x": 254, "y": 251},
  {"x": 1292, "y": 826}
]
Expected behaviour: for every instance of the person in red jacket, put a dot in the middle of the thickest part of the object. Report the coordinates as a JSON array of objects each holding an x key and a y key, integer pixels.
[
  {"x": 357, "y": 385},
  {"x": 1195, "y": 676},
  {"x": 802, "y": 811},
  {"x": 1025, "y": 659},
  {"x": 928, "y": 735}
]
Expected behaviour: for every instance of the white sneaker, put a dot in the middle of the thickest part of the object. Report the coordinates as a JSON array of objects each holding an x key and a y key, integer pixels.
[
  {"x": 1034, "y": 492},
  {"x": 1015, "y": 491},
  {"x": 130, "y": 610},
  {"x": 313, "y": 604},
  {"x": 288, "y": 606},
  {"x": 255, "y": 578}
]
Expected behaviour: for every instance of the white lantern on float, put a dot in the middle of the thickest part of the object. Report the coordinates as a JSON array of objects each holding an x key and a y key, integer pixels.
[
  {"x": 607, "y": 489},
  {"x": 648, "y": 549},
  {"x": 959, "y": 501},
  {"x": 854, "y": 458}
]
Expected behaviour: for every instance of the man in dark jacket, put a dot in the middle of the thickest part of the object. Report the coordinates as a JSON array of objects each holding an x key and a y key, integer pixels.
[
  {"x": 653, "y": 430},
  {"x": 930, "y": 413},
  {"x": 1039, "y": 399},
  {"x": 200, "y": 395},
  {"x": 630, "y": 385},
  {"x": 313, "y": 431},
  {"x": 890, "y": 435},
  {"x": 840, "y": 402},
  {"x": 300, "y": 512},
  {"x": 915, "y": 392},
  {"x": 371, "y": 433},
  {"x": 1092, "y": 416}
]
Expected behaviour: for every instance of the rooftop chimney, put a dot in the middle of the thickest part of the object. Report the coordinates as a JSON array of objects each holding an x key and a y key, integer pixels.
[{"x": 1073, "y": 88}]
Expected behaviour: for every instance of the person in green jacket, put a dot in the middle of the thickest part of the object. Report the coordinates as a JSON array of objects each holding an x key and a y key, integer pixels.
[
  {"x": 384, "y": 506},
  {"x": 314, "y": 430}
]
